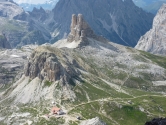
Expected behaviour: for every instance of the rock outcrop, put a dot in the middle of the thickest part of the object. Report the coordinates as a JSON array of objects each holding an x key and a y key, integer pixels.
[
  {"x": 44, "y": 66},
  {"x": 94, "y": 121},
  {"x": 80, "y": 34},
  {"x": 12, "y": 63},
  {"x": 4, "y": 42},
  {"x": 157, "y": 121},
  {"x": 47, "y": 66},
  {"x": 154, "y": 40},
  {"x": 80, "y": 29}
]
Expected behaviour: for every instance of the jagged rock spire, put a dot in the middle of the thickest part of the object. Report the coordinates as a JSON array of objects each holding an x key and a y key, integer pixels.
[{"x": 80, "y": 29}]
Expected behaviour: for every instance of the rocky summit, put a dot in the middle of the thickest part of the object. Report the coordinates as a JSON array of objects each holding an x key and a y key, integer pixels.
[
  {"x": 80, "y": 34},
  {"x": 79, "y": 29},
  {"x": 154, "y": 40},
  {"x": 119, "y": 21}
]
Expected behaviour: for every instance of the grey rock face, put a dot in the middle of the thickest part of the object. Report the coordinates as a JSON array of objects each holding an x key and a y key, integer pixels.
[
  {"x": 9, "y": 9},
  {"x": 154, "y": 40},
  {"x": 45, "y": 66},
  {"x": 4, "y": 43},
  {"x": 94, "y": 121},
  {"x": 119, "y": 21},
  {"x": 12, "y": 63}
]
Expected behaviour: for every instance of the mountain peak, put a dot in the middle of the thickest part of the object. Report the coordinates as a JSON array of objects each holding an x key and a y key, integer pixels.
[
  {"x": 154, "y": 40},
  {"x": 80, "y": 29},
  {"x": 117, "y": 22},
  {"x": 79, "y": 35}
]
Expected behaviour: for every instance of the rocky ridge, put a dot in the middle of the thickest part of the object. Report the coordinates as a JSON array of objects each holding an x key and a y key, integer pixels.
[{"x": 154, "y": 40}]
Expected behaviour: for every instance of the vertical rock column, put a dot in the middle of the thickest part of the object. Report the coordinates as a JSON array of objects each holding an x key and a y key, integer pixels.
[
  {"x": 73, "y": 24},
  {"x": 80, "y": 29}
]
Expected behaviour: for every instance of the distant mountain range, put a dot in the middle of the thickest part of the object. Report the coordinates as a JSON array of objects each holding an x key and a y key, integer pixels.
[
  {"x": 48, "y": 5},
  {"x": 150, "y": 5}
]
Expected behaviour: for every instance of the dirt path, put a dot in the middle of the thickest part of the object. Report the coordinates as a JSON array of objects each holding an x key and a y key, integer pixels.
[{"x": 112, "y": 99}]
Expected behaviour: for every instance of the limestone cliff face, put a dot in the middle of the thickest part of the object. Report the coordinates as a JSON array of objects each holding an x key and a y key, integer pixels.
[
  {"x": 4, "y": 43},
  {"x": 154, "y": 41},
  {"x": 47, "y": 66}
]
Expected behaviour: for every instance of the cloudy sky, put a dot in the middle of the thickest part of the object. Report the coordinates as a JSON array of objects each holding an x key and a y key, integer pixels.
[{"x": 30, "y": 1}]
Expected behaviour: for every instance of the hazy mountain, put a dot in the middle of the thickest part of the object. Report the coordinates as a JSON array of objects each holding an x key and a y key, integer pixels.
[
  {"x": 154, "y": 40},
  {"x": 20, "y": 27},
  {"x": 150, "y": 5},
  {"x": 119, "y": 21},
  {"x": 48, "y": 5}
]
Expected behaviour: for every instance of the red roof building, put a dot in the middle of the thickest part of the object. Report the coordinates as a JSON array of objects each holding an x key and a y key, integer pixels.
[{"x": 55, "y": 110}]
